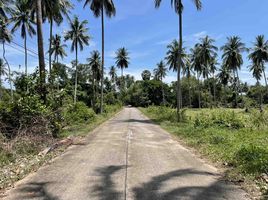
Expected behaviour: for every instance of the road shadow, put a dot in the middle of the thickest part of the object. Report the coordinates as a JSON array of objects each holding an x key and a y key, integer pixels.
[
  {"x": 153, "y": 190},
  {"x": 105, "y": 188},
  {"x": 36, "y": 190},
  {"x": 143, "y": 121}
]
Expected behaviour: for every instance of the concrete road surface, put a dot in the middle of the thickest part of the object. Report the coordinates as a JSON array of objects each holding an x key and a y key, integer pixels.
[{"x": 131, "y": 158}]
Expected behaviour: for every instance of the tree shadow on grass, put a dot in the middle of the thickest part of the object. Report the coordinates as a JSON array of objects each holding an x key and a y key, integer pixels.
[
  {"x": 153, "y": 190},
  {"x": 105, "y": 189},
  {"x": 35, "y": 190}
]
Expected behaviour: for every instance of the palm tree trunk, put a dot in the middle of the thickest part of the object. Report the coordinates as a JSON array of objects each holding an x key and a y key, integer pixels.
[
  {"x": 42, "y": 66},
  {"x": 199, "y": 92},
  {"x": 50, "y": 43},
  {"x": 235, "y": 86},
  {"x": 26, "y": 56},
  {"x": 189, "y": 92},
  {"x": 102, "y": 63},
  {"x": 9, "y": 72},
  {"x": 266, "y": 84},
  {"x": 225, "y": 96},
  {"x": 163, "y": 92},
  {"x": 214, "y": 90},
  {"x": 93, "y": 90},
  {"x": 76, "y": 76},
  {"x": 179, "y": 66},
  {"x": 1, "y": 85}
]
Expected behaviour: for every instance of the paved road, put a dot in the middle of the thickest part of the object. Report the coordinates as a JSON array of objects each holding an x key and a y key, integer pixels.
[{"x": 130, "y": 158}]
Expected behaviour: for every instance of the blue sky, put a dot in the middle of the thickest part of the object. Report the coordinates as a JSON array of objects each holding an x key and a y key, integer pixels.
[{"x": 145, "y": 31}]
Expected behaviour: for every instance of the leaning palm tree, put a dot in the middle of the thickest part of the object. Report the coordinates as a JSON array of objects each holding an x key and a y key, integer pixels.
[
  {"x": 113, "y": 76},
  {"x": 99, "y": 8},
  {"x": 78, "y": 35},
  {"x": 257, "y": 70},
  {"x": 259, "y": 55},
  {"x": 172, "y": 60},
  {"x": 160, "y": 73},
  {"x": 21, "y": 17},
  {"x": 232, "y": 58},
  {"x": 95, "y": 65},
  {"x": 178, "y": 6},
  {"x": 122, "y": 59},
  {"x": 57, "y": 49},
  {"x": 5, "y": 36},
  {"x": 224, "y": 78},
  {"x": 3, "y": 72}
]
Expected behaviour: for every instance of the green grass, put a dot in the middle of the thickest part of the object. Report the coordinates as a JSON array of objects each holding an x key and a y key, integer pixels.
[{"x": 231, "y": 137}]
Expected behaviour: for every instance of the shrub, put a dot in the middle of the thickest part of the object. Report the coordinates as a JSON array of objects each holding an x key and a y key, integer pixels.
[
  {"x": 252, "y": 159},
  {"x": 78, "y": 113}
]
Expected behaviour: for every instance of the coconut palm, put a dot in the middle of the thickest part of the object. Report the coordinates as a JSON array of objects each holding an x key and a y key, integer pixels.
[
  {"x": 95, "y": 65},
  {"x": 224, "y": 77},
  {"x": 113, "y": 75},
  {"x": 5, "y": 6},
  {"x": 55, "y": 10},
  {"x": 198, "y": 68},
  {"x": 122, "y": 59},
  {"x": 207, "y": 53},
  {"x": 232, "y": 58},
  {"x": 172, "y": 59},
  {"x": 57, "y": 48},
  {"x": 3, "y": 72},
  {"x": 21, "y": 17},
  {"x": 257, "y": 69},
  {"x": 99, "y": 9},
  {"x": 37, "y": 8},
  {"x": 5, "y": 36},
  {"x": 160, "y": 73},
  {"x": 78, "y": 35},
  {"x": 178, "y": 7},
  {"x": 188, "y": 71},
  {"x": 259, "y": 55}
]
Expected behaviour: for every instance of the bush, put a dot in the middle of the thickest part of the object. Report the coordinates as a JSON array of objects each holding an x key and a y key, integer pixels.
[
  {"x": 252, "y": 159},
  {"x": 78, "y": 113}
]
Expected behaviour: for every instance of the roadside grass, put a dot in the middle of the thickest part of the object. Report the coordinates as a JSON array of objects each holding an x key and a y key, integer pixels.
[
  {"x": 229, "y": 137},
  {"x": 19, "y": 157}
]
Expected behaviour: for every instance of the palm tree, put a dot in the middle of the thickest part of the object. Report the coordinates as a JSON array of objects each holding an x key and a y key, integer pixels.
[
  {"x": 122, "y": 59},
  {"x": 259, "y": 55},
  {"x": 21, "y": 17},
  {"x": 207, "y": 54},
  {"x": 5, "y": 36},
  {"x": 257, "y": 69},
  {"x": 37, "y": 11},
  {"x": 57, "y": 48},
  {"x": 172, "y": 60},
  {"x": 224, "y": 78},
  {"x": 99, "y": 8},
  {"x": 95, "y": 64},
  {"x": 55, "y": 10},
  {"x": 160, "y": 73},
  {"x": 3, "y": 72},
  {"x": 232, "y": 58},
  {"x": 113, "y": 76},
  {"x": 187, "y": 71},
  {"x": 178, "y": 6},
  {"x": 5, "y": 6},
  {"x": 198, "y": 68},
  {"x": 78, "y": 35}
]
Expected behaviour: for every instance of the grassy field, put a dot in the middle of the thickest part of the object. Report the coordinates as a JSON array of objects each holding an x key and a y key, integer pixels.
[{"x": 231, "y": 138}]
